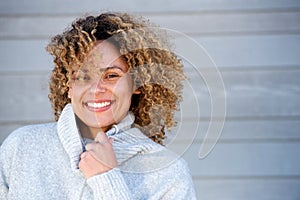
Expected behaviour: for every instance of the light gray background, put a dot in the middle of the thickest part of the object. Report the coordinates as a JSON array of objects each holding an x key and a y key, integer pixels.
[{"x": 255, "y": 44}]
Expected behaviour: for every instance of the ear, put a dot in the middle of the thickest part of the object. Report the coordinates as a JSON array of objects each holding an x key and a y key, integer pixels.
[{"x": 137, "y": 91}]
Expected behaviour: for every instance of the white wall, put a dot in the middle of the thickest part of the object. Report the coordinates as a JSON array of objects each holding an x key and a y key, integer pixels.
[{"x": 254, "y": 43}]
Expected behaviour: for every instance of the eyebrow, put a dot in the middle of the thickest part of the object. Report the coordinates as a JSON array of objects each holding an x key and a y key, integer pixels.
[
  {"x": 112, "y": 67},
  {"x": 101, "y": 70}
]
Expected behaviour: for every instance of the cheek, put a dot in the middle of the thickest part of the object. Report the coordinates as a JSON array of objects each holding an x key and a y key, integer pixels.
[
  {"x": 76, "y": 92},
  {"x": 124, "y": 89},
  {"x": 71, "y": 90}
]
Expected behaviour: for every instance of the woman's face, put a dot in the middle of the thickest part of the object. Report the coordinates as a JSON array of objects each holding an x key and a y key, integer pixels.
[{"x": 101, "y": 89}]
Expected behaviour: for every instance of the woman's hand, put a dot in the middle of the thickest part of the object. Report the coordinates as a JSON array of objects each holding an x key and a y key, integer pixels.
[{"x": 99, "y": 156}]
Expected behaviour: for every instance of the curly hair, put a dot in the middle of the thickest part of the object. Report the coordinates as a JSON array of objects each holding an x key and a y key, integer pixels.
[{"x": 154, "y": 68}]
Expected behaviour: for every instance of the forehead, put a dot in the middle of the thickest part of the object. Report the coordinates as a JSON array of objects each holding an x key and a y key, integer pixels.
[{"x": 104, "y": 55}]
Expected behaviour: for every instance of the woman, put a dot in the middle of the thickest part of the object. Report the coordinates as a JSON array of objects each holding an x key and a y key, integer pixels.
[{"x": 114, "y": 90}]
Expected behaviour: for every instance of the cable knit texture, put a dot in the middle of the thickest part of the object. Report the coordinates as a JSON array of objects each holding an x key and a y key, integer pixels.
[{"x": 41, "y": 162}]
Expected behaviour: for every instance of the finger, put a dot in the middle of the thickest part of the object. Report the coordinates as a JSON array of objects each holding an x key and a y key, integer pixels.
[
  {"x": 89, "y": 158},
  {"x": 110, "y": 140},
  {"x": 90, "y": 147},
  {"x": 101, "y": 138},
  {"x": 104, "y": 161},
  {"x": 83, "y": 155}
]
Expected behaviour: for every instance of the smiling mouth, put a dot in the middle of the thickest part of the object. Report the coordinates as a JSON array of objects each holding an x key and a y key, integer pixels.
[{"x": 98, "y": 106}]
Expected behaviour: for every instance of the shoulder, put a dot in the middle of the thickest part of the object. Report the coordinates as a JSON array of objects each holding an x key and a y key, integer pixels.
[
  {"x": 156, "y": 159},
  {"x": 167, "y": 160},
  {"x": 29, "y": 133},
  {"x": 147, "y": 156},
  {"x": 20, "y": 144},
  {"x": 166, "y": 172}
]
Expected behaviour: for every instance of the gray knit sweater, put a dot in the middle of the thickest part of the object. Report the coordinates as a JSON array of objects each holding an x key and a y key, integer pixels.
[{"x": 41, "y": 162}]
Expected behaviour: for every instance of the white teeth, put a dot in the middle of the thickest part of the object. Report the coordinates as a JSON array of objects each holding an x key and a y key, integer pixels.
[{"x": 98, "y": 105}]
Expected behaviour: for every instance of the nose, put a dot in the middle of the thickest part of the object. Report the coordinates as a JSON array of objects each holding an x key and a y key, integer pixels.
[{"x": 98, "y": 87}]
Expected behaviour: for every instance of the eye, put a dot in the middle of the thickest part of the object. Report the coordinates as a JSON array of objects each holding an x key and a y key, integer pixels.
[
  {"x": 82, "y": 77},
  {"x": 111, "y": 76}
]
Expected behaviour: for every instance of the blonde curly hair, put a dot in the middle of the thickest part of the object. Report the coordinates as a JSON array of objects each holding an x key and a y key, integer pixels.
[{"x": 155, "y": 69}]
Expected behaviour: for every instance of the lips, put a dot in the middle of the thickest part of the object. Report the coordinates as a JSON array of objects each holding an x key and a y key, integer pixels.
[{"x": 98, "y": 105}]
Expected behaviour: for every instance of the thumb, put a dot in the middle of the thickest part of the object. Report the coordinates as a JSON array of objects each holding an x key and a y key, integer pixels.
[
  {"x": 110, "y": 140},
  {"x": 101, "y": 137}
]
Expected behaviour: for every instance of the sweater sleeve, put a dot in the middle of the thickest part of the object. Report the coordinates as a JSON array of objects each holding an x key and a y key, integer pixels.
[
  {"x": 6, "y": 154},
  {"x": 177, "y": 183},
  {"x": 182, "y": 188},
  {"x": 3, "y": 184},
  {"x": 110, "y": 185}
]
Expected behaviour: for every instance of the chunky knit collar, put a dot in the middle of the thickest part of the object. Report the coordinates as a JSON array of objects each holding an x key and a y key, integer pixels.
[{"x": 128, "y": 141}]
